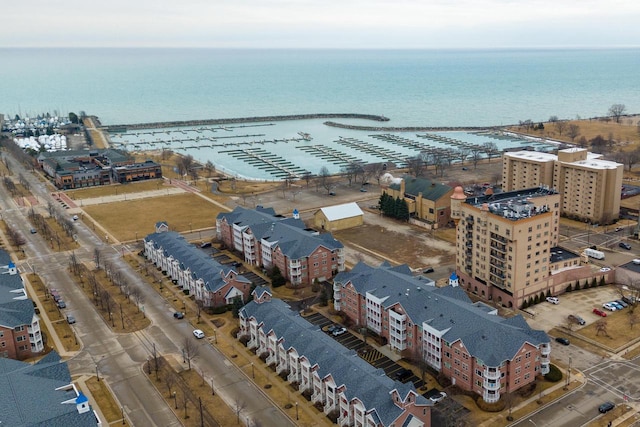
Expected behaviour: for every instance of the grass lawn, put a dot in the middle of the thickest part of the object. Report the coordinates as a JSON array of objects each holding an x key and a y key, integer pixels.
[
  {"x": 618, "y": 330},
  {"x": 183, "y": 212},
  {"x": 111, "y": 190},
  {"x": 104, "y": 400}
]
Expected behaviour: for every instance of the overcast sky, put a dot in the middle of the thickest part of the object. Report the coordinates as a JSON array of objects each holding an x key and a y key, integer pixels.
[{"x": 321, "y": 23}]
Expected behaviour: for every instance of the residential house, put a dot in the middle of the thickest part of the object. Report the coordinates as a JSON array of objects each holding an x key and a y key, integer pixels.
[
  {"x": 210, "y": 282},
  {"x": 468, "y": 342},
  {"x": 42, "y": 394},
  {"x": 267, "y": 240},
  {"x": 337, "y": 379}
]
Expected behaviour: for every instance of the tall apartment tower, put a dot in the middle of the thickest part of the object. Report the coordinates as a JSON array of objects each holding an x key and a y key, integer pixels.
[
  {"x": 504, "y": 241},
  {"x": 590, "y": 187}
]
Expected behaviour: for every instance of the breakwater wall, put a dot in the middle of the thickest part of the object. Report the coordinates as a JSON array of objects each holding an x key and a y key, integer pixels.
[
  {"x": 189, "y": 123},
  {"x": 411, "y": 128}
]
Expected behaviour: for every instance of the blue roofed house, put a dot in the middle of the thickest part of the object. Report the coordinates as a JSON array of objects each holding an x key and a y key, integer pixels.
[
  {"x": 267, "y": 240},
  {"x": 469, "y": 342},
  {"x": 20, "y": 335},
  {"x": 211, "y": 283},
  {"x": 42, "y": 394},
  {"x": 347, "y": 387}
]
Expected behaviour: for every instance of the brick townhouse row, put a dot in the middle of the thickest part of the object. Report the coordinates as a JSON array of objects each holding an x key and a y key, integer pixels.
[
  {"x": 336, "y": 378},
  {"x": 265, "y": 239},
  {"x": 468, "y": 342},
  {"x": 210, "y": 282},
  {"x": 20, "y": 335}
]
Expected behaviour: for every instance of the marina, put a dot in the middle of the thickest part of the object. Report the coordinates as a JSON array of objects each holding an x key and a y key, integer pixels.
[{"x": 280, "y": 149}]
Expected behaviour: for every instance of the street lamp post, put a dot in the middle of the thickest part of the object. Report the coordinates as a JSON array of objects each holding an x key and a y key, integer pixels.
[
  {"x": 297, "y": 411},
  {"x": 175, "y": 400},
  {"x": 122, "y": 412},
  {"x": 97, "y": 373},
  {"x": 253, "y": 372},
  {"x": 531, "y": 421}
]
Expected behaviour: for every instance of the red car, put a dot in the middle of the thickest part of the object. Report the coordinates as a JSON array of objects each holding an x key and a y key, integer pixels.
[{"x": 599, "y": 312}]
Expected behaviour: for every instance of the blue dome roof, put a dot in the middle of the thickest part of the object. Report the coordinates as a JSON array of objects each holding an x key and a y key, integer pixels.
[
  {"x": 81, "y": 398},
  {"x": 453, "y": 276}
]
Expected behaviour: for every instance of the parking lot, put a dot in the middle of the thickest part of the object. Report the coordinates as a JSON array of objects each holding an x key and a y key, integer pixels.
[{"x": 547, "y": 316}]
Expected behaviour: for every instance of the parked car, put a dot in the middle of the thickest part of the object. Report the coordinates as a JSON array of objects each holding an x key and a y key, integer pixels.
[
  {"x": 75, "y": 217},
  {"x": 70, "y": 319},
  {"x": 403, "y": 374},
  {"x": 621, "y": 302},
  {"x": 605, "y": 269},
  {"x": 629, "y": 300},
  {"x": 609, "y": 306},
  {"x": 33, "y": 231},
  {"x": 56, "y": 297},
  {"x": 332, "y": 193},
  {"x": 563, "y": 341},
  {"x": 339, "y": 332},
  {"x": 616, "y": 305},
  {"x": 438, "y": 397},
  {"x": 178, "y": 315},
  {"x": 205, "y": 245},
  {"x": 198, "y": 333},
  {"x": 428, "y": 270},
  {"x": 363, "y": 190},
  {"x": 625, "y": 245},
  {"x": 576, "y": 319},
  {"x": 332, "y": 328},
  {"x": 553, "y": 300},
  {"x": 606, "y": 407},
  {"x": 62, "y": 304},
  {"x": 619, "y": 228},
  {"x": 636, "y": 261},
  {"x": 599, "y": 312}
]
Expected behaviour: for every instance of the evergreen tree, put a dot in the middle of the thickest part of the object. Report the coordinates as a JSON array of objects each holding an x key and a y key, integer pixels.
[
  {"x": 548, "y": 292},
  {"x": 602, "y": 281},
  {"x": 541, "y": 296},
  {"x": 276, "y": 277},
  {"x": 536, "y": 300},
  {"x": 402, "y": 211},
  {"x": 236, "y": 305},
  {"x": 324, "y": 299},
  {"x": 577, "y": 286},
  {"x": 594, "y": 283},
  {"x": 568, "y": 289}
]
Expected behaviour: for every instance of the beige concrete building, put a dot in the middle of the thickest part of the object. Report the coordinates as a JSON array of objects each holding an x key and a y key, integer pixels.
[
  {"x": 504, "y": 243},
  {"x": 590, "y": 186},
  {"x": 338, "y": 217}
]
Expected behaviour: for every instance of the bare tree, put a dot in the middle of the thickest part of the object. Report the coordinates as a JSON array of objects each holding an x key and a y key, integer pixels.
[
  {"x": 476, "y": 155},
  {"x": 573, "y": 130},
  {"x": 238, "y": 406},
  {"x": 616, "y": 111},
  {"x": 209, "y": 168},
  {"x": 463, "y": 154},
  {"x": 560, "y": 125},
  {"x": 189, "y": 350},
  {"x": 169, "y": 381},
  {"x": 138, "y": 297},
  {"x": 324, "y": 179},
  {"x": 601, "y": 327},
  {"x": 633, "y": 319},
  {"x": 97, "y": 256},
  {"x": 415, "y": 165},
  {"x": 51, "y": 208}
]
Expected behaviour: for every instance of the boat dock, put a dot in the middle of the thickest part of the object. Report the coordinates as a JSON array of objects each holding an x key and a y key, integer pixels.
[
  {"x": 329, "y": 154},
  {"x": 269, "y": 162},
  {"x": 374, "y": 150}
]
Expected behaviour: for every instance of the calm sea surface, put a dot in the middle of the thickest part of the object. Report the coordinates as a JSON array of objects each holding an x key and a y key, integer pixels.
[{"x": 411, "y": 87}]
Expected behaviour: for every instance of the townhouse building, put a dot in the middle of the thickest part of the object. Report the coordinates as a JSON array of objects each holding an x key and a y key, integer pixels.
[
  {"x": 427, "y": 200},
  {"x": 43, "y": 394},
  {"x": 213, "y": 284},
  {"x": 267, "y": 240},
  {"x": 468, "y": 342},
  {"x": 504, "y": 243},
  {"x": 590, "y": 186},
  {"x": 20, "y": 334},
  {"x": 342, "y": 383}
]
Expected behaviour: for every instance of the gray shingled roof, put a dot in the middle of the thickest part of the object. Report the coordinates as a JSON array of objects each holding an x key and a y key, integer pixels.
[
  {"x": 291, "y": 235},
  {"x": 491, "y": 338},
  {"x": 361, "y": 380},
  {"x": 199, "y": 263},
  {"x": 430, "y": 190},
  {"x": 30, "y": 398}
]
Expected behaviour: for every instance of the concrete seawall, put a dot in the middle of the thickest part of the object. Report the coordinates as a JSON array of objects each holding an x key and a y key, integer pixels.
[
  {"x": 409, "y": 128},
  {"x": 188, "y": 123}
]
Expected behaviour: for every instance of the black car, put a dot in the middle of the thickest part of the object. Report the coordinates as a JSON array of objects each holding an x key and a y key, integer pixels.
[
  {"x": 178, "y": 315},
  {"x": 606, "y": 407},
  {"x": 563, "y": 341},
  {"x": 403, "y": 374},
  {"x": 625, "y": 245},
  {"x": 428, "y": 270}
]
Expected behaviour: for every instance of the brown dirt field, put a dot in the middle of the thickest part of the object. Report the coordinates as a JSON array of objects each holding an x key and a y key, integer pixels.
[{"x": 182, "y": 211}]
